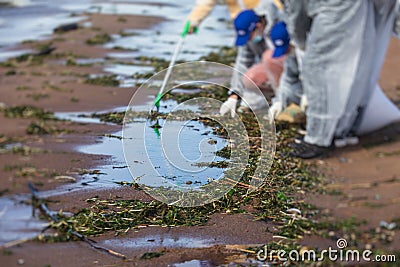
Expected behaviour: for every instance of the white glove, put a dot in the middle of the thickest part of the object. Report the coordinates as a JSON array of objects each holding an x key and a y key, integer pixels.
[
  {"x": 229, "y": 106},
  {"x": 303, "y": 103},
  {"x": 275, "y": 110}
]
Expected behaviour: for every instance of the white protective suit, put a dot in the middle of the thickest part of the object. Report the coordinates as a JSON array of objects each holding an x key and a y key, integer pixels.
[
  {"x": 396, "y": 26},
  {"x": 345, "y": 42},
  {"x": 290, "y": 88}
]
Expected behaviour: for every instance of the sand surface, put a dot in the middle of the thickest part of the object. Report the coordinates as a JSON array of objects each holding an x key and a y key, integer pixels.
[{"x": 367, "y": 177}]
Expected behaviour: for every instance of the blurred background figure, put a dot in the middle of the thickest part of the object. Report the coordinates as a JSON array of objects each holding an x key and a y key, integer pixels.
[
  {"x": 252, "y": 28},
  {"x": 290, "y": 89},
  {"x": 270, "y": 11},
  {"x": 254, "y": 57},
  {"x": 267, "y": 73},
  {"x": 203, "y": 8}
]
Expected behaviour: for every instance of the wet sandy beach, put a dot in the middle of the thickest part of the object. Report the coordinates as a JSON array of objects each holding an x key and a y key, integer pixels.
[{"x": 365, "y": 178}]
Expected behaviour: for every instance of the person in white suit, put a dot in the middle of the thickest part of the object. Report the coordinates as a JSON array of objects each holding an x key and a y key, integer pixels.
[{"x": 345, "y": 42}]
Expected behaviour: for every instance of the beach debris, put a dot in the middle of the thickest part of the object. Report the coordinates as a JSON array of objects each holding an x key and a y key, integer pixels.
[
  {"x": 3, "y": 106},
  {"x": 292, "y": 114},
  {"x": 95, "y": 179},
  {"x": 99, "y": 39},
  {"x": 225, "y": 55},
  {"x": 120, "y": 167},
  {"x": 243, "y": 248},
  {"x": 389, "y": 226},
  {"x": 212, "y": 141},
  {"x": 294, "y": 211},
  {"x": 66, "y": 28},
  {"x": 113, "y": 136},
  {"x": 65, "y": 178},
  {"x": 110, "y": 80},
  {"x": 45, "y": 51},
  {"x": 151, "y": 255},
  {"x": 37, "y": 203},
  {"x": 28, "y": 112}
]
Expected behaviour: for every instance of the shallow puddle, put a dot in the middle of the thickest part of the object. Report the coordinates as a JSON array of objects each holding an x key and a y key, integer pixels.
[
  {"x": 193, "y": 263},
  {"x": 174, "y": 156},
  {"x": 4, "y": 55},
  {"x": 88, "y": 61},
  {"x": 79, "y": 117},
  {"x": 205, "y": 263},
  {"x": 35, "y": 20},
  {"x": 160, "y": 41},
  {"x": 132, "y": 83},
  {"x": 17, "y": 221},
  {"x": 187, "y": 144},
  {"x": 112, "y": 172},
  {"x": 84, "y": 117},
  {"x": 128, "y": 70},
  {"x": 160, "y": 241}
]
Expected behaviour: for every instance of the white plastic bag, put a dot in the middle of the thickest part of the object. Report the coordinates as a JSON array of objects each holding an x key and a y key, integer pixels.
[{"x": 379, "y": 113}]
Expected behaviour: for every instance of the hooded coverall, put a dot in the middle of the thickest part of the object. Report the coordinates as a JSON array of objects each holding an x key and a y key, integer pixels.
[{"x": 345, "y": 42}]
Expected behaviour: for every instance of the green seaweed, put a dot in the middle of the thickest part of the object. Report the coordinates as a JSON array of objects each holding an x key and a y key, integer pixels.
[
  {"x": 11, "y": 72},
  {"x": 225, "y": 55},
  {"x": 151, "y": 255},
  {"x": 38, "y": 96},
  {"x": 40, "y": 128},
  {"x": 7, "y": 252},
  {"x": 14, "y": 167},
  {"x": 23, "y": 88},
  {"x": 158, "y": 63},
  {"x": 110, "y": 80},
  {"x": 28, "y": 112},
  {"x": 22, "y": 150},
  {"x": 121, "y": 19},
  {"x": 43, "y": 47},
  {"x": 284, "y": 181},
  {"x": 99, "y": 39}
]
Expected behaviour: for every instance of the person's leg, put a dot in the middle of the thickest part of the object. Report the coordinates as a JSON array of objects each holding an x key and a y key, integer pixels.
[
  {"x": 381, "y": 18},
  {"x": 297, "y": 20},
  {"x": 290, "y": 87},
  {"x": 330, "y": 64}
]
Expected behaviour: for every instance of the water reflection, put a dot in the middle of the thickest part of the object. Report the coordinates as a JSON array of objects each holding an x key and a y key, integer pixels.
[{"x": 17, "y": 221}]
